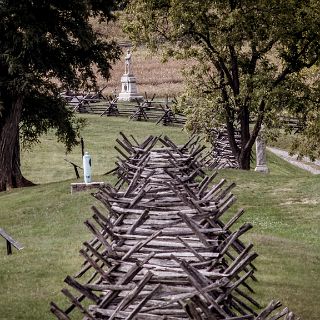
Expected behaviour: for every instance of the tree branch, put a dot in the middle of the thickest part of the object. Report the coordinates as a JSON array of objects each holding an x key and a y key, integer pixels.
[
  {"x": 207, "y": 42},
  {"x": 234, "y": 70},
  {"x": 257, "y": 125},
  {"x": 290, "y": 69},
  {"x": 229, "y": 115}
]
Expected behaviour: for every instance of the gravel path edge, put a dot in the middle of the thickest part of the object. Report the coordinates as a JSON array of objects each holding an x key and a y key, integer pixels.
[{"x": 303, "y": 164}]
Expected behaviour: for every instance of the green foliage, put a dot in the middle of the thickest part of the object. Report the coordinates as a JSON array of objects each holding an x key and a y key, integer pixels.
[
  {"x": 44, "y": 111},
  {"x": 54, "y": 39},
  {"x": 47, "y": 47},
  {"x": 250, "y": 61}
]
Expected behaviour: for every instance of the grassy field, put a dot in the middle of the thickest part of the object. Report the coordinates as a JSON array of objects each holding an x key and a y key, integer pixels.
[
  {"x": 45, "y": 163},
  {"x": 284, "y": 208}
]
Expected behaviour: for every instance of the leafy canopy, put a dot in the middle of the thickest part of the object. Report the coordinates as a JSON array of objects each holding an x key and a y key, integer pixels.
[
  {"x": 46, "y": 47},
  {"x": 250, "y": 62}
]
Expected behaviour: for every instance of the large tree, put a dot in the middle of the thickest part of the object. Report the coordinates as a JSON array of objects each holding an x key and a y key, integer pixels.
[
  {"x": 46, "y": 46},
  {"x": 249, "y": 61}
]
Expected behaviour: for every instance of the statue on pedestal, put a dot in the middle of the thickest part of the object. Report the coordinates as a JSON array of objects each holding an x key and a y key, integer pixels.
[
  {"x": 127, "y": 64},
  {"x": 128, "y": 81}
]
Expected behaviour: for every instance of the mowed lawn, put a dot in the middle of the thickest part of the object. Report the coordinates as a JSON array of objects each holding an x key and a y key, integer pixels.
[{"x": 284, "y": 208}]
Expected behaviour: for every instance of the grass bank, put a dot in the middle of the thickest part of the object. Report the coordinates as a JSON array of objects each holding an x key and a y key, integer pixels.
[
  {"x": 45, "y": 162},
  {"x": 284, "y": 208}
]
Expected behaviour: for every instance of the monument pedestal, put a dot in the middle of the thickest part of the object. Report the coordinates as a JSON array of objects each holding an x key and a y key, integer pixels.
[
  {"x": 129, "y": 89},
  {"x": 261, "y": 156},
  {"x": 261, "y": 168},
  {"x": 81, "y": 186}
]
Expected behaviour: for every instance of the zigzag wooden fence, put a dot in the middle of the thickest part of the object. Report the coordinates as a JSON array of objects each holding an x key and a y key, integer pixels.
[
  {"x": 220, "y": 156},
  {"x": 163, "y": 248},
  {"x": 147, "y": 110}
]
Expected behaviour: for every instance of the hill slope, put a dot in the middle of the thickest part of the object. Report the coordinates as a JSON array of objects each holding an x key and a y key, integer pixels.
[{"x": 283, "y": 206}]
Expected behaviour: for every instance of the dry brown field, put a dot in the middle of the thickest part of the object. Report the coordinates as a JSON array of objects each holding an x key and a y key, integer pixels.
[{"x": 153, "y": 76}]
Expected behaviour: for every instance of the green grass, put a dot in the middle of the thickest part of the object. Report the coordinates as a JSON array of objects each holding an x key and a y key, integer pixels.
[
  {"x": 47, "y": 220},
  {"x": 284, "y": 141},
  {"x": 284, "y": 208},
  {"x": 45, "y": 163}
]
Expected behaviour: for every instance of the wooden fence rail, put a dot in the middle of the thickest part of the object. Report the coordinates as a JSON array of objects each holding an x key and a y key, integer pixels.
[
  {"x": 147, "y": 110},
  {"x": 10, "y": 241},
  {"x": 164, "y": 248}
]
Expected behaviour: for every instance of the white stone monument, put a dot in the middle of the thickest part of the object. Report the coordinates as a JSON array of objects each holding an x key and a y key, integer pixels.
[
  {"x": 128, "y": 81},
  {"x": 261, "y": 157}
]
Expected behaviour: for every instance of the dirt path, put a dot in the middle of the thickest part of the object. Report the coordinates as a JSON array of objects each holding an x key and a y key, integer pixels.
[{"x": 305, "y": 163}]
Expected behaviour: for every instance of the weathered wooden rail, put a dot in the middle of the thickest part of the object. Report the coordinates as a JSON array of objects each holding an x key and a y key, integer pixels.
[
  {"x": 163, "y": 248},
  {"x": 220, "y": 156},
  {"x": 10, "y": 241},
  {"x": 108, "y": 106}
]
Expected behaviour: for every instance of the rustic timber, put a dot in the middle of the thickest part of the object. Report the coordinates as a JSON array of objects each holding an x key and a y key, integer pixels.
[
  {"x": 147, "y": 110},
  {"x": 81, "y": 186},
  {"x": 163, "y": 249},
  {"x": 10, "y": 241},
  {"x": 220, "y": 156}
]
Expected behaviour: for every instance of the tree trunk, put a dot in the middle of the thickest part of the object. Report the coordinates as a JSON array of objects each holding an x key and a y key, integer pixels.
[
  {"x": 10, "y": 173},
  {"x": 244, "y": 159},
  {"x": 244, "y": 155},
  {"x": 18, "y": 179}
]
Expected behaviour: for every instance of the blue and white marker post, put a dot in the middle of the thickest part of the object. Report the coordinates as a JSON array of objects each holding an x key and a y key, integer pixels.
[
  {"x": 87, "y": 168},
  {"x": 87, "y": 176}
]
